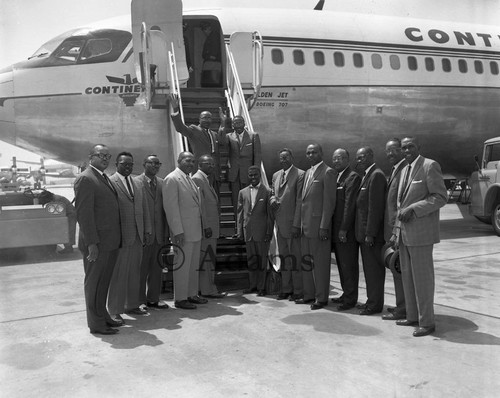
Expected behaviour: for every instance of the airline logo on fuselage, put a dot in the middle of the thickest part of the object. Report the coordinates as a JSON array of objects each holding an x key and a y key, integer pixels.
[
  {"x": 456, "y": 37},
  {"x": 127, "y": 88}
]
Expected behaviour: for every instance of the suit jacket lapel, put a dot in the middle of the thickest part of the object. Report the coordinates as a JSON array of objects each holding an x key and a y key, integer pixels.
[{"x": 396, "y": 172}]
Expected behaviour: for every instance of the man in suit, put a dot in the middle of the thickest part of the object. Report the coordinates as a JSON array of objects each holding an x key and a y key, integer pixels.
[
  {"x": 211, "y": 209},
  {"x": 398, "y": 162},
  {"x": 183, "y": 208},
  {"x": 201, "y": 138},
  {"x": 255, "y": 226},
  {"x": 244, "y": 151},
  {"x": 286, "y": 199},
  {"x": 98, "y": 215},
  {"x": 124, "y": 289},
  {"x": 317, "y": 208},
  {"x": 345, "y": 246},
  {"x": 369, "y": 228},
  {"x": 421, "y": 194},
  {"x": 151, "y": 272}
]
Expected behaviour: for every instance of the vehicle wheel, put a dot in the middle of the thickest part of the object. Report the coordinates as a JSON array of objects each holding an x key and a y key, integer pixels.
[
  {"x": 486, "y": 220},
  {"x": 495, "y": 219}
]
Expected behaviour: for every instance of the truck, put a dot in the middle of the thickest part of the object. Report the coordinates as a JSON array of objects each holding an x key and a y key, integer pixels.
[{"x": 485, "y": 186}]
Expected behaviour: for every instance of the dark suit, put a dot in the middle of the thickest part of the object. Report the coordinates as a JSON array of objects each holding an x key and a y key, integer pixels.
[
  {"x": 241, "y": 157},
  {"x": 254, "y": 223},
  {"x": 391, "y": 208},
  {"x": 370, "y": 205},
  {"x": 318, "y": 205},
  {"x": 425, "y": 195},
  {"x": 151, "y": 271},
  {"x": 98, "y": 215},
  {"x": 210, "y": 208},
  {"x": 124, "y": 289},
  {"x": 202, "y": 142},
  {"x": 347, "y": 253},
  {"x": 288, "y": 193}
]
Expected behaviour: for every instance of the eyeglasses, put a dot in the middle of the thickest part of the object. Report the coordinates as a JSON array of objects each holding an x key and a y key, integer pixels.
[
  {"x": 154, "y": 163},
  {"x": 126, "y": 164},
  {"x": 102, "y": 156}
]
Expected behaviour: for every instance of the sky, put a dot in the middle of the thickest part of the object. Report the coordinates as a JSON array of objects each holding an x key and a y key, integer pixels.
[{"x": 26, "y": 24}]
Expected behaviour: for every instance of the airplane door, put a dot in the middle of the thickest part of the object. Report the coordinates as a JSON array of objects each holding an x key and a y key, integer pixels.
[
  {"x": 156, "y": 31},
  {"x": 242, "y": 46}
]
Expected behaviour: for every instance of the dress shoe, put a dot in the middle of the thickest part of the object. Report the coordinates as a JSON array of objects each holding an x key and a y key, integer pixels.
[
  {"x": 138, "y": 311},
  {"x": 66, "y": 250},
  {"x": 185, "y": 305},
  {"x": 345, "y": 307},
  {"x": 197, "y": 300},
  {"x": 423, "y": 331},
  {"x": 406, "y": 322},
  {"x": 317, "y": 305},
  {"x": 294, "y": 297},
  {"x": 393, "y": 317},
  {"x": 104, "y": 331},
  {"x": 369, "y": 311},
  {"x": 117, "y": 317},
  {"x": 215, "y": 296},
  {"x": 304, "y": 301},
  {"x": 283, "y": 296},
  {"x": 391, "y": 309},
  {"x": 261, "y": 293},
  {"x": 115, "y": 323},
  {"x": 337, "y": 300},
  {"x": 251, "y": 290},
  {"x": 361, "y": 306},
  {"x": 161, "y": 305}
]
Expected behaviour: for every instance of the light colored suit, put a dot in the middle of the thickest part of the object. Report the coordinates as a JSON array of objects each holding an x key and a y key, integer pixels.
[
  {"x": 317, "y": 208},
  {"x": 182, "y": 205},
  {"x": 151, "y": 270},
  {"x": 210, "y": 208},
  {"x": 288, "y": 193},
  {"x": 425, "y": 194},
  {"x": 98, "y": 215},
  {"x": 391, "y": 208},
  {"x": 124, "y": 291},
  {"x": 370, "y": 205},
  {"x": 254, "y": 224}
]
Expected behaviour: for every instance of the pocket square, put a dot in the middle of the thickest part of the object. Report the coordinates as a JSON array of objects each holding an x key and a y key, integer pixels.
[
  {"x": 248, "y": 144},
  {"x": 340, "y": 187},
  {"x": 416, "y": 182},
  {"x": 364, "y": 189},
  {"x": 261, "y": 200}
]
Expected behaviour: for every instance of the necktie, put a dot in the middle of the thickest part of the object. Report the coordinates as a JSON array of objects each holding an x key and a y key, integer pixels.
[
  {"x": 106, "y": 179},
  {"x": 405, "y": 183},
  {"x": 253, "y": 195},
  {"x": 129, "y": 188},
  {"x": 391, "y": 176},
  {"x": 210, "y": 138},
  {"x": 152, "y": 184},
  {"x": 283, "y": 179}
]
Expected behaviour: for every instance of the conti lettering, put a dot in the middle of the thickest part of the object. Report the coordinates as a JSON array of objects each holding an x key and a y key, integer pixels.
[
  {"x": 114, "y": 89},
  {"x": 441, "y": 37}
]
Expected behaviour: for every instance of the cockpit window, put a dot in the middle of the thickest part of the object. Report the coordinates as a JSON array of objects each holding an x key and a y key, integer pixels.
[{"x": 82, "y": 47}]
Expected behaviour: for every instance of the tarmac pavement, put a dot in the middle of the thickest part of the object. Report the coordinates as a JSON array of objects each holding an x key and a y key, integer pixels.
[{"x": 248, "y": 346}]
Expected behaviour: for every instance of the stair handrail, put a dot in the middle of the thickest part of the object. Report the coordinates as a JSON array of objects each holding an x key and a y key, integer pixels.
[
  {"x": 176, "y": 89},
  {"x": 258, "y": 67},
  {"x": 236, "y": 99}
]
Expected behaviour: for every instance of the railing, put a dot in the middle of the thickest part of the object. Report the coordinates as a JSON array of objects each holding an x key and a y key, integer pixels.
[
  {"x": 258, "y": 67},
  {"x": 236, "y": 99},
  {"x": 180, "y": 142}
]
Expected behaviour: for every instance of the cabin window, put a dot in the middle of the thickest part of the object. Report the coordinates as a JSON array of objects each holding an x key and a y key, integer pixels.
[
  {"x": 377, "y": 61},
  {"x": 446, "y": 63},
  {"x": 429, "y": 64},
  {"x": 338, "y": 59},
  {"x": 96, "y": 48},
  {"x": 462, "y": 65},
  {"x": 298, "y": 57},
  {"x": 357, "y": 58},
  {"x": 395, "y": 63},
  {"x": 69, "y": 50},
  {"x": 493, "y": 68},
  {"x": 478, "y": 66},
  {"x": 319, "y": 58},
  {"x": 412, "y": 63},
  {"x": 277, "y": 56}
]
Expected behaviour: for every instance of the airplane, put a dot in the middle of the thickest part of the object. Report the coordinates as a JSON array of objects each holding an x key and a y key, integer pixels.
[{"x": 308, "y": 75}]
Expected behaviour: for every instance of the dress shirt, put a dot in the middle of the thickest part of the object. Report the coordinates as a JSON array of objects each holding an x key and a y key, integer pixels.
[
  {"x": 126, "y": 182},
  {"x": 310, "y": 176},
  {"x": 253, "y": 193},
  {"x": 342, "y": 172}
]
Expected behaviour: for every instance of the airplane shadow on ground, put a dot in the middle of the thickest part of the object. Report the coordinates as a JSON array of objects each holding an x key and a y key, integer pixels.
[
  {"x": 456, "y": 229},
  {"x": 462, "y": 331},
  {"x": 35, "y": 255}
]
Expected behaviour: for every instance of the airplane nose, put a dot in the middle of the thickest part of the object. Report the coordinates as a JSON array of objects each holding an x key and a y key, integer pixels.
[{"x": 7, "y": 117}]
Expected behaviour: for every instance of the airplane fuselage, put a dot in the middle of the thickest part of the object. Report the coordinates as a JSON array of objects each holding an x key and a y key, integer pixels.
[{"x": 342, "y": 80}]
